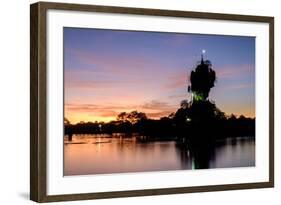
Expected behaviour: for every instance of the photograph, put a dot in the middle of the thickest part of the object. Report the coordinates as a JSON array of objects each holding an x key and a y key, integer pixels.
[
  {"x": 135, "y": 101},
  {"x": 144, "y": 101}
]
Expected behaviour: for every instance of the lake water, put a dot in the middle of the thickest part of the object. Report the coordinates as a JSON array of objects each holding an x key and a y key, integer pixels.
[{"x": 103, "y": 154}]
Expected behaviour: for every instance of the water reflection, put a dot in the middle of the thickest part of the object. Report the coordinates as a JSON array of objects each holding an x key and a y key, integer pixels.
[{"x": 103, "y": 153}]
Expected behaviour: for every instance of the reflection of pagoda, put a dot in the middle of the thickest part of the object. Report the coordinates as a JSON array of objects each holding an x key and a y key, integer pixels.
[{"x": 202, "y": 80}]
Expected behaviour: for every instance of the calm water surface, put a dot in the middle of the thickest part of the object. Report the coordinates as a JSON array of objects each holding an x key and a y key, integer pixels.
[{"x": 101, "y": 154}]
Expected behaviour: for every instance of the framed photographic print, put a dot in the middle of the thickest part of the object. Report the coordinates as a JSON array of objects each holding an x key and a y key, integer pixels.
[{"x": 134, "y": 102}]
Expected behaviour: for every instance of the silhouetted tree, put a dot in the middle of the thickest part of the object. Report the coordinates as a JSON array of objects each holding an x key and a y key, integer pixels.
[
  {"x": 184, "y": 104},
  {"x": 66, "y": 121},
  {"x": 172, "y": 115},
  {"x": 136, "y": 116},
  {"x": 133, "y": 117},
  {"x": 122, "y": 116}
]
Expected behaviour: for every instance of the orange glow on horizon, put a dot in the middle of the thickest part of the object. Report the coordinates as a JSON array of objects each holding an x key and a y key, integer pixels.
[
  {"x": 84, "y": 117},
  {"x": 75, "y": 117}
]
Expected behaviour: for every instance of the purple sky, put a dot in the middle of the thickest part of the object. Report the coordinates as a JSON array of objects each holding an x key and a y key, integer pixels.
[{"x": 108, "y": 72}]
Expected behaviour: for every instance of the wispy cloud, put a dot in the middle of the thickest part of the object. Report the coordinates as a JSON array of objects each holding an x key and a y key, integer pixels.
[
  {"x": 157, "y": 115},
  {"x": 117, "y": 63},
  {"x": 97, "y": 107},
  {"x": 240, "y": 86},
  {"x": 103, "y": 71},
  {"x": 156, "y": 105},
  {"x": 179, "y": 96},
  {"x": 177, "y": 80},
  {"x": 234, "y": 71},
  {"x": 153, "y": 109}
]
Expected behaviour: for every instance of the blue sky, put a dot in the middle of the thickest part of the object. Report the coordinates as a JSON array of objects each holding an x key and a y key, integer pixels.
[{"x": 110, "y": 71}]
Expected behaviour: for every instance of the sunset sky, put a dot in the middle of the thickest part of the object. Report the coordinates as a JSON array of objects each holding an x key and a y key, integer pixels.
[{"x": 107, "y": 72}]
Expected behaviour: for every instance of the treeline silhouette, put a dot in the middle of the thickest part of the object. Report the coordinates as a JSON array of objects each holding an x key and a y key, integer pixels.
[
  {"x": 196, "y": 120},
  {"x": 173, "y": 126}
]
